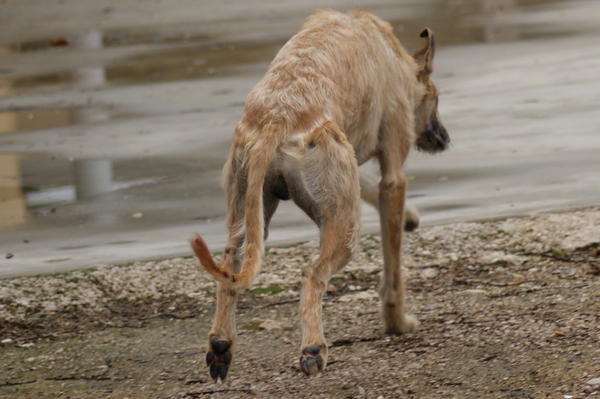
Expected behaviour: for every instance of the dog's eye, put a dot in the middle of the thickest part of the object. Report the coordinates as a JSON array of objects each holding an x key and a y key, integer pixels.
[{"x": 311, "y": 144}]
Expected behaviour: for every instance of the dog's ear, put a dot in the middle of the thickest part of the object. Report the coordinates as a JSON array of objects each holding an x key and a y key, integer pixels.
[{"x": 424, "y": 55}]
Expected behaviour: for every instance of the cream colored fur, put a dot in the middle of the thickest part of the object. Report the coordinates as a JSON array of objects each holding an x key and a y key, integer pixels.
[{"x": 340, "y": 92}]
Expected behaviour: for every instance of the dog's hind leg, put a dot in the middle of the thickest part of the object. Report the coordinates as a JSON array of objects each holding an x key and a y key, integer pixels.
[
  {"x": 369, "y": 192},
  {"x": 327, "y": 189},
  {"x": 335, "y": 252},
  {"x": 223, "y": 330},
  {"x": 396, "y": 137}
]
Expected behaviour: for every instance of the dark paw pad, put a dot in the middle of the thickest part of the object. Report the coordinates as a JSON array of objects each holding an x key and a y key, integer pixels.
[
  {"x": 411, "y": 225},
  {"x": 218, "y": 359},
  {"x": 311, "y": 361}
]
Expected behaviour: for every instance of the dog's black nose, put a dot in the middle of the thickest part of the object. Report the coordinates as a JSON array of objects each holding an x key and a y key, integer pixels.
[
  {"x": 435, "y": 138},
  {"x": 442, "y": 138}
]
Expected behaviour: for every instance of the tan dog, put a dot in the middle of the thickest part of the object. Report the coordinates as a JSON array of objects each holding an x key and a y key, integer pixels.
[{"x": 341, "y": 91}]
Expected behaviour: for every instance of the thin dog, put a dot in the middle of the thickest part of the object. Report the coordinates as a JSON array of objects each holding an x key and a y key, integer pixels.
[{"x": 340, "y": 92}]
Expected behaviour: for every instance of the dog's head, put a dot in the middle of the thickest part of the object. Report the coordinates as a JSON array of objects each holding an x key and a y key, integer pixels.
[{"x": 431, "y": 134}]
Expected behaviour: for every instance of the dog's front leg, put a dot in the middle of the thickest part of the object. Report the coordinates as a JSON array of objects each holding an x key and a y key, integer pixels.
[
  {"x": 393, "y": 286},
  {"x": 369, "y": 192}
]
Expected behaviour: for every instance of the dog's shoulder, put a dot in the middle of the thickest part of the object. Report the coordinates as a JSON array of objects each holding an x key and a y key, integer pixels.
[
  {"x": 355, "y": 20},
  {"x": 384, "y": 28},
  {"x": 351, "y": 19}
]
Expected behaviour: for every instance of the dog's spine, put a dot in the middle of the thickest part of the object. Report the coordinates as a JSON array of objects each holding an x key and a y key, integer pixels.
[{"x": 260, "y": 155}]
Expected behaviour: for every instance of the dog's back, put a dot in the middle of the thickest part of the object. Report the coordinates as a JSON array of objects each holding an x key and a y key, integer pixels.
[{"x": 347, "y": 68}]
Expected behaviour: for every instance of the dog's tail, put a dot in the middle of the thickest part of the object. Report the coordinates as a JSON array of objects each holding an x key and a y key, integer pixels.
[{"x": 260, "y": 156}]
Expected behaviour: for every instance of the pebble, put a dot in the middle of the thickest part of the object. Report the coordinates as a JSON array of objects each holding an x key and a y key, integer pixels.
[
  {"x": 7, "y": 341},
  {"x": 269, "y": 325},
  {"x": 475, "y": 291},
  {"x": 594, "y": 381},
  {"x": 429, "y": 272},
  {"x": 369, "y": 294},
  {"x": 191, "y": 352}
]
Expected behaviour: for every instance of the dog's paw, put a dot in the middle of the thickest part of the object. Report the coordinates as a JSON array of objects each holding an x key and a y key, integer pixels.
[
  {"x": 409, "y": 324},
  {"x": 313, "y": 359},
  {"x": 399, "y": 323},
  {"x": 411, "y": 218},
  {"x": 218, "y": 359}
]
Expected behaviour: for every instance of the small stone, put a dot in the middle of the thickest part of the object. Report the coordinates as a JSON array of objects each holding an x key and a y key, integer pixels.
[
  {"x": 475, "y": 291},
  {"x": 429, "y": 272},
  {"x": 568, "y": 271},
  {"x": 137, "y": 215},
  {"x": 9, "y": 255},
  {"x": 594, "y": 381},
  {"x": 7, "y": 341},
  {"x": 270, "y": 325},
  {"x": 191, "y": 352},
  {"x": 369, "y": 294},
  {"x": 500, "y": 258}
]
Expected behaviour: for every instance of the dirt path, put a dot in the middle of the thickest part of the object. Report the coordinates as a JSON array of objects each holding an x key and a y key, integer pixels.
[{"x": 509, "y": 309}]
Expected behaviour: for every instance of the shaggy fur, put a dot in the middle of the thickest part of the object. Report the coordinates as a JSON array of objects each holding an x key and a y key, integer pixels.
[{"x": 341, "y": 91}]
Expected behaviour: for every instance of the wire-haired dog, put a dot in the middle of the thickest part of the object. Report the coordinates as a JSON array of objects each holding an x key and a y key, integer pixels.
[{"x": 341, "y": 91}]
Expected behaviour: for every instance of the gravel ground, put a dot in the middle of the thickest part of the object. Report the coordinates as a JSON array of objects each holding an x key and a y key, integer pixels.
[{"x": 508, "y": 309}]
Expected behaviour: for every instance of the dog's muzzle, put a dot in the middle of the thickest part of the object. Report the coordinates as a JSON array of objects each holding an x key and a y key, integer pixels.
[{"x": 434, "y": 139}]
